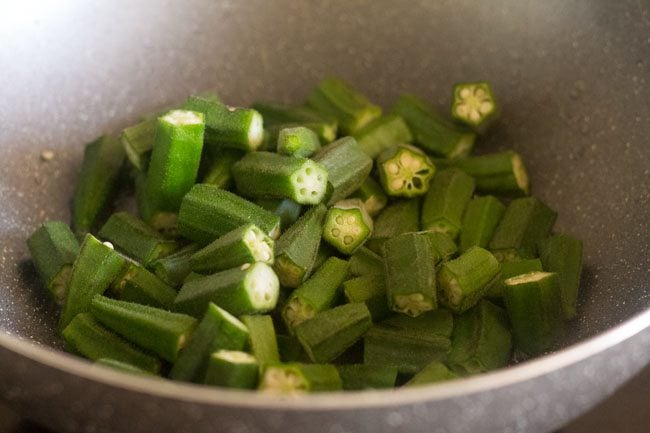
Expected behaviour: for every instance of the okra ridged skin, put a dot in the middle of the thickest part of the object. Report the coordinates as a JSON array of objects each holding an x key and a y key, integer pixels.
[
  {"x": 217, "y": 330},
  {"x": 248, "y": 289},
  {"x": 432, "y": 373},
  {"x": 481, "y": 340},
  {"x": 371, "y": 290},
  {"x": 96, "y": 267},
  {"x": 138, "y": 141},
  {"x": 262, "y": 339},
  {"x": 513, "y": 269},
  {"x": 410, "y": 270},
  {"x": 298, "y": 378},
  {"x": 474, "y": 105},
  {"x": 449, "y": 193},
  {"x": 174, "y": 268},
  {"x": 465, "y": 280},
  {"x": 288, "y": 210},
  {"x": 208, "y": 212},
  {"x": 347, "y": 167},
  {"x": 97, "y": 183},
  {"x": 219, "y": 168},
  {"x": 137, "y": 284},
  {"x": 230, "y": 369},
  {"x": 297, "y": 141},
  {"x": 562, "y": 254},
  {"x": 372, "y": 195},
  {"x": 328, "y": 334},
  {"x": 431, "y": 131},
  {"x": 480, "y": 219},
  {"x": 290, "y": 349},
  {"x": 123, "y": 367},
  {"x": 443, "y": 246},
  {"x": 357, "y": 377},
  {"x": 88, "y": 338},
  {"x": 135, "y": 238},
  {"x": 525, "y": 222},
  {"x": 347, "y": 226},
  {"x": 500, "y": 174},
  {"x": 266, "y": 174},
  {"x": 54, "y": 248},
  {"x": 402, "y": 216},
  {"x": 160, "y": 331},
  {"x": 278, "y": 116},
  {"x": 382, "y": 133},
  {"x": 366, "y": 262},
  {"x": 246, "y": 244},
  {"x": 405, "y": 171}
]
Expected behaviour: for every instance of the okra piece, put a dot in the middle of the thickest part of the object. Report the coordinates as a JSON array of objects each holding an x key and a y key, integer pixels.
[
  {"x": 219, "y": 171},
  {"x": 324, "y": 130},
  {"x": 410, "y": 269},
  {"x": 474, "y": 105},
  {"x": 481, "y": 340},
  {"x": 562, "y": 254},
  {"x": 136, "y": 239},
  {"x": 297, "y": 248},
  {"x": 225, "y": 126},
  {"x": 97, "y": 182},
  {"x": 366, "y": 262},
  {"x": 328, "y": 334},
  {"x": 262, "y": 341},
  {"x": 276, "y": 114},
  {"x": 248, "y": 289},
  {"x": 534, "y": 305},
  {"x": 479, "y": 221},
  {"x": 405, "y": 171},
  {"x": 54, "y": 248},
  {"x": 466, "y": 279},
  {"x": 347, "y": 167},
  {"x": 334, "y": 97},
  {"x": 208, "y": 212},
  {"x": 287, "y": 209},
  {"x": 383, "y": 133},
  {"x": 290, "y": 349},
  {"x": 397, "y": 218},
  {"x": 501, "y": 174},
  {"x": 525, "y": 222},
  {"x": 356, "y": 377},
  {"x": 432, "y": 132},
  {"x": 232, "y": 369},
  {"x": 297, "y": 378},
  {"x": 217, "y": 330},
  {"x": 316, "y": 294},
  {"x": 347, "y": 226},
  {"x": 122, "y": 366},
  {"x": 512, "y": 269},
  {"x": 443, "y": 246},
  {"x": 174, "y": 268},
  {"x": 372, "y": 195},
  {"x": 298, "y": 141},
  {"x": 266, "y": 174},
  {"x": 139, "y": 285},
  {"x": 138, "y": 141},
  {"x": 88, "y": 338},
  {"x": 174, "y": 163},
  {"x": 246, "y": 244},
  {"x": 448, "y": 196},
  {"x": 161, "y": 331},
  {"x": 96, "y": 267},
  {"x": 371, "y": 290},
  {"x": 432, "y": 373}
]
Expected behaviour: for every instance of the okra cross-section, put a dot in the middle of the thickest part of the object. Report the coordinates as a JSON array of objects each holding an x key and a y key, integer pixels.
[
  {"x": 232, "y": 369},
  {"x": 266, "y": 174},
  {"x": 296, "y": 378},
  {"x": 347, "y": 226},
  {"x": 410, "y": 269},
  {"x": 474, "y": 104},
  {"x": 298, "y": 141},
  {"x": 405, "y": 171}
]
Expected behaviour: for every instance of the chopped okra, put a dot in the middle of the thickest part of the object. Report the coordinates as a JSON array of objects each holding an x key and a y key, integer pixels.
[
  {"x": 474, "y": 104},
  {"x": 405, "y": 171},
  {"x": 347, "y": 226}
]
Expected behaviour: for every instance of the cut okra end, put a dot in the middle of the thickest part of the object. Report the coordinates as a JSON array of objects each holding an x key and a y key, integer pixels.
[
  {"x": 347, "y": 226},
  {"x": 259, "y": 244},
  {"x": 297, "y": 311},
  {"x": 474, "y": 103},
  {"x": 296, "y": 379},
  {"x": 262, "y": 286},
  {"x": 255, "y": 130},
  {"x": 405, "y": 171},
  {"x": 310, "y": 183},
  {"x": 183, "y": 117},
  {"x": 297, "y": 141},
  {"x": 412, "y": 304}
]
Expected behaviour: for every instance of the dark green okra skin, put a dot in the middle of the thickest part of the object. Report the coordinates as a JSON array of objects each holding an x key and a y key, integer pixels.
[
  {"x": 232, "y": 369},
  {"x": 138, "y": 141},
  {"x": 325, "y": 251},
  {"x": 279, "y": 116},
  {"x": 382, "y": 133},
  {"x": 335, "y": 98},
  {"x": 87, "y": 337},
  {"x": 123, "y": 367},
  {"x": 287, "y": 209},
  {"x": 397, "y": 218},
  {"x": 219, "y": 169},
  {"x": 500, "y": 174},
  {"x": 208, "y": 212},
  {"x": 446, "y": 200},
  {"x": 297, "y": 378},
  {"x": 97, "y": 183},
  {"x": 136, "y": 239},
  {"x": 174, "y": 268},
  {"x": 410, "y": 270},
  {"x": 96, "y": 267},
  {"x": 443, "y": 246},
  {"x": 466, "y": 279},
  {"x": 562, "y": 254},
  {"x": 290, "y": 349},
  {"x": 328, "y": 334},
  {"x": 481, "y": 218},
  {"x": 371, "y": 290},
  {"x": 347, "y": 167},
  {"x": 432, "y": 373},
  {"x": 372, "y": 195},
  {"x": 296, "y": 249},
  {"x": 298, "y": 141},
  {"x": 160, "y": 331},
  {"x": 54, "y": 248},
  {"x": 534, "y": 306},
  {"x": 267, "y": 174},
  {"x": 405, "y": 171},
  {"x": 481, "y": 340},
  {"x": 366, "y": 262},
  {"x": 218, "y": 330},
  {"x": 432, "y": 132},
  {"x": 137, "y": 284},
  {"x": 347, "y": 226},
  {"x": 525, "y": 222},
  {"x": 262, "y": 340},
  {"x": 356, "y": 377},
  {"x": 512, "y": 269}
]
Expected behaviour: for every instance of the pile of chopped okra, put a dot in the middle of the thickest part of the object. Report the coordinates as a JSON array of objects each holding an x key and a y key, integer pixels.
[{"x": 309, "y": 248}]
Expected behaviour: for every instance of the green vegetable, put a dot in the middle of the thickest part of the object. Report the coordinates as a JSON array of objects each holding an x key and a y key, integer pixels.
[
  {"x": 262, "y": 340},
  {"x": 174, "y": 268},
  {"x": 512, "y": 269},
  {"x": 122, "y": 366},
  {"x": 287, "y": 209},
  {"x": 281, "y": 115},
  {"x": 445, "y": 202},
  {"x": 232, "y": 369},
  {"x": 443, "y": 246},
  {"x": 502, "y": 173},
  {"x": 432, "y": 373},
  {"x": 382, "y": 133},
  {"x": 474, "y": 104},
  {"x": 298, "y": 141},
  {"x": 371, "y": 290},
  {"x": 372, "y": 195},
  {"x": 139, "y": 285},
  {"x": 479, "y": 221},
  {"x": 290, "y": 349},
  {"x": 366, "y": 262},
  {"x": 54, "y": 248},
  {"x": 266, "y": 174},
  {"x": 357, "y": 377},
  {"x": 219, "y": 171},
  {"x": 397, "y": 218},
  {"x": 138, "y": 141},
  {"x": 325, "y": 251},
  {"x": 347, "y": 226},
  {"x": 296, "y": 378},
  {"x": 562, "y": 254},
  {"x": 405, "y": 171}
]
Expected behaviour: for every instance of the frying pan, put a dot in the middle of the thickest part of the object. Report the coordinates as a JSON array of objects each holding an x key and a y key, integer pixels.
[{"x": 571, "y": 79}]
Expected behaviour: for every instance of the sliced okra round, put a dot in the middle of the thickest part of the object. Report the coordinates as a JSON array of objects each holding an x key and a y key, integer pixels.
[
  {"x": 405, "y": 171},
  {"x": 474, "y": 103},
  {"x": 347, "y": 226}
]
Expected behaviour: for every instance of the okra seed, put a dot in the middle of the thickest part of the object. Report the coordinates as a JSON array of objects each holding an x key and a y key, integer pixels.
[
  {"x": 314, "y": 193},
  {"x": 392, "y": 168},
  {"x": 480, "y": 93},
  {"x": 347, "y": 240},
  {"x": 474, "y": 115},
  {"x": 303, "y": 191},
  {"x": 308, "y": 170},
  {"x": 336, "y": 232},
  {"x": 464, "y": 92},
  {"x": 397, "y": 183},
  {"x": 339, "y": 220},
  {"x": 300, "y": 179},
  {"x": 350, "y": 219},
  {"x": 461, "y": 110},
  {"x": 485, "y": 107}
]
